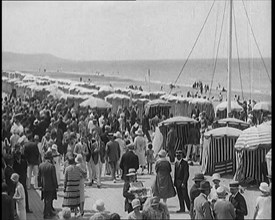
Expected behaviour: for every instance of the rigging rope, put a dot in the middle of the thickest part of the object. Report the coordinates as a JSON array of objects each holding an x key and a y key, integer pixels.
[
  {"x": 238, "y": 51},
  {"x": 255, "y": 40},
  {"x": 215, "y": 65},
  {"x": 193, "y": 46}
]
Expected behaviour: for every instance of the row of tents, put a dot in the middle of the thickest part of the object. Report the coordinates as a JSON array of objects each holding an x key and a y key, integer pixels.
[{"x": 243, "y": 152}]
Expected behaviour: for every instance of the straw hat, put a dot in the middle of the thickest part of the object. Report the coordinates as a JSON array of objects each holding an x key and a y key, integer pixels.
[
  {"x": 131, "y": 172},
  {"x": 221, "y": 192},
  {"x": 65, "y": 213},
  {"x": 204, "y": 185},
  {"x": 79, "y": 158},
  {"x": 216, "y": 176},
  {"x": 162, "y": 153},
  {"x": 99, "y": 205},
  {"x": 135, "y": 203},
  {"x": 139, "y": 132},
  {"x": 54, "y": 147},
  {"x": 15, "y": 177},
  {"x": 199, "y": 177},
  {"x": 118, "y": 134},
  {"x": 264, "y": 187}
]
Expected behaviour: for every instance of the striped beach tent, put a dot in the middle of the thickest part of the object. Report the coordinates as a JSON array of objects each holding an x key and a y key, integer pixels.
[
  {"x": 230, "y": 122},
  {"x": 157, "y": 106},
  {"x": 218, "y": 150},
  {"x": 182, "y": 127},
  {"x": 221, "y": 109},
  {"x": 251, "y": 148}
]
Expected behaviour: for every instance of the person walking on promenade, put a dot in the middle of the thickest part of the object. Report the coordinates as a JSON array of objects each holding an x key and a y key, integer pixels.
[
  {"x": 130, "y": 182},
  {"x": 19, "y": 197},
  {"x": 31, "y": 153},
  {"x": 195, "y": 192},
  {"x": 89, "y": 160},
  {"x": 238, "y": 201},
  {"x": 171, "y": 142},
  {"x": 122, "y": 147},
  {"x": 150, "y": 158},
  {"x": 7, "y": 204},
  {"x": 73, "y": 175},
  {"x": 163, "y": 185},
  {"x": 181, "y": 180},
  {"x": 47, "y": 182},
  {"x": 128, "y": 160},
  {"x": 223, "y": 209},
  {"x": 263, "y": 207},
  {"x": 201, "y": 205},
  {"x": 56, "y": 161},
  {"x": 140, "y": 148},
  {"x": 98, "y": 156},
  {"x": 113, "y": 155},
  {"x": 20, "y": 167},
  {"x": 81, "y": 164},
  {"x": 135, "y": 214}
]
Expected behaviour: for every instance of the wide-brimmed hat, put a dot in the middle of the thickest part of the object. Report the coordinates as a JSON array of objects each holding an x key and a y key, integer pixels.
[
  {"x": 65, "y": 213},
  {"x": 199, "y": 177},
  {"x": 221, "y": 192},
  {"x": 139, "y": 132},
  {"x": 234, "y": 184},
  {"x": 131, "y": 172},
  {"x": 204, "y": 185},
  {"x": 15, "y": 177},
  {"x": 79, "y": 158},
  {"x": 135, "y": 203},
  {"x": 99, "y": 205},
  {"x": 155, "y": 201},
  {"x": 264, "y": 187},
  {"x": 216, "y": 176},
  {"x": 118, "y": 134},
  {"x": 162, "y": 153}
]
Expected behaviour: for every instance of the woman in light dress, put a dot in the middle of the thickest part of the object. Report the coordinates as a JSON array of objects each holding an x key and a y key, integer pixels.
[
  {"x": 82, "y": 165},
  {"x": 263, "y": 207},
  {"x": 19, "y": 197},
  {"x": 56, "y": 161},
  {"x": 140, "y": 148}
]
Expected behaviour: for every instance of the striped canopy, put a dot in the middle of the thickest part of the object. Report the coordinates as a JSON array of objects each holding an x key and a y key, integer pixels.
[
  {"x": 269, "y": 155},
  {"x": 234, "y": 106},
  {"x": 254, "y": 137},
  {"x": 223, "y": 131},
  {"x": 264, "y": 106},
  {"x": 178, "y": 120}
]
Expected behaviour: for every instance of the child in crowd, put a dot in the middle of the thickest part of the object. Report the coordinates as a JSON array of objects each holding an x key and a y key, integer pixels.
[{"x": 150, "y": 157}]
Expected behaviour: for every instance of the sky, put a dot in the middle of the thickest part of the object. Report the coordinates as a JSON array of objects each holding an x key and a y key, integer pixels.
[{"x": 128, "y": 30}]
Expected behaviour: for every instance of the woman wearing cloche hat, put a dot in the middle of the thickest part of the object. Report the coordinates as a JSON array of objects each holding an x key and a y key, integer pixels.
[
  {"x": 140, "y": 146},
  {"x": 263, "y": 203}
]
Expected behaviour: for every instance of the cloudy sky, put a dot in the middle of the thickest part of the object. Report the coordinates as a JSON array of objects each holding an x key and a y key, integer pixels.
[{"x": 132, "y": 30}]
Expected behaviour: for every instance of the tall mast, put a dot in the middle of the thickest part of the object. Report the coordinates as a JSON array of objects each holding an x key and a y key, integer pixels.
[{"x": 229, "y": 60}]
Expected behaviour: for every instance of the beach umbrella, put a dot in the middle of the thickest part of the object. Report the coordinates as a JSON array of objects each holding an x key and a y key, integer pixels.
[
  {"x": 234, "y": 106},
  {"x": 254, "y": 137},
  {"x": 178, "y": 120},
  {"x": 264, "y": 106},
  {"x": 94, "y": 102}
]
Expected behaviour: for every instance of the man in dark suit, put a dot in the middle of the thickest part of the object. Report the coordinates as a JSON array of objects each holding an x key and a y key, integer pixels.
[
  {"x": 128, "y": 160},
  {"x": 7, "y": 204},
  {"x": 238, "y": 201},
  {"x": 47, "y": 181},
  {"x": 180, "y": 181}
]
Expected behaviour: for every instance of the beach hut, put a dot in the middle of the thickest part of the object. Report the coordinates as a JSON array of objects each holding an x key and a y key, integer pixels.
[
  {"x": 118, "y": 100},
  {"x": 95, "y": 103},
  {"x": 268, "y": 158},
  {"x": 218, "y": 151},
  {"x": 251, "y": 148},
  {"x": 182, "y": 126},
  {"x": 221, "y": 109},
  {"x": 104, "y": 91},
  {"x": 157, "y": 106},
  {"x": 230, "y": 122}
]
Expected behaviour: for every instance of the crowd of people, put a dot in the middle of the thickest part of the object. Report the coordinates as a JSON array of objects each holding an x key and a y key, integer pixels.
[{"x": 47, "y": 138}]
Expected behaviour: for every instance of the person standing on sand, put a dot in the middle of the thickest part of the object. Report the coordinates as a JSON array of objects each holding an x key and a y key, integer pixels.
[
  {"x": 263, "y": 207},
  {"x": 140, "y": 149}
]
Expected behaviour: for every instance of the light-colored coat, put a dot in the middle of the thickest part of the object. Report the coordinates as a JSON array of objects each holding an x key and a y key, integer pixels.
[{"x": 202, "y": 207}]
